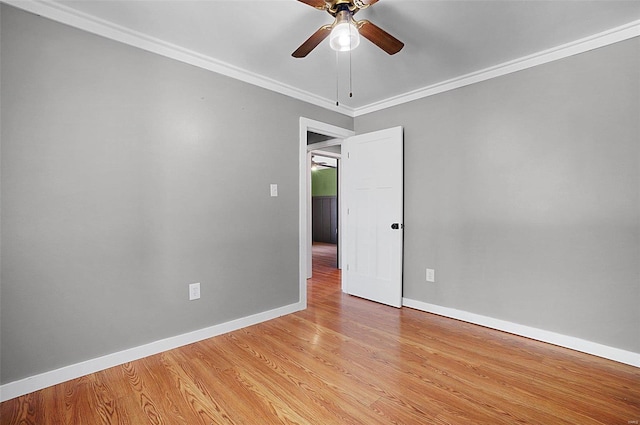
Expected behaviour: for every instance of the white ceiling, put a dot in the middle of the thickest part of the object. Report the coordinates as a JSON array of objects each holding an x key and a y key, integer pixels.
[{"x": 253, "y": 40}]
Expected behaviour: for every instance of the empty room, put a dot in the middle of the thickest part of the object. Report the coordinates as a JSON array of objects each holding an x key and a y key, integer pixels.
[{"x": 159, "y": 253}]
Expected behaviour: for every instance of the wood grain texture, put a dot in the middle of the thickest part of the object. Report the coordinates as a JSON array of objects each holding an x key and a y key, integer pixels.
[
  {"x": 312, "y": 42},
  {"x": 345, "y": 360}
]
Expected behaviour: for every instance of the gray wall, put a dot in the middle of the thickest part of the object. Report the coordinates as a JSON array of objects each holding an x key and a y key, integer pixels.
[
  {"x": 523, "y": 193},
  {"x": 125, "y": 177}
]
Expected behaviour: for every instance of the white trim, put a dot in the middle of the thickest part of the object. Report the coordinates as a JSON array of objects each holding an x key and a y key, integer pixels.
[
  {"x": 327, "y": 154},
  {"x": 592, "y": 42},
  {"x": 304, "y": 213},
  {"x": 47, "y": 379},
  {"x": 577, "y": 344},
  {"x": 69, "y": 16},
  {"x": 325, "y": 144},
  {"x": 66, "y": 15}
]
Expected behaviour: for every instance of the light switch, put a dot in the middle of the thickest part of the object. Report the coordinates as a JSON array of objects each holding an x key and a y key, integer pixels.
[
  {"x": 431, "y": 275},
  {"x": 274, "y": 190},
  {"x": 194, "y": 291}
]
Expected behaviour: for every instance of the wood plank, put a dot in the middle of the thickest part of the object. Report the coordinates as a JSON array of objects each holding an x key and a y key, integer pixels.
[{"x": 345, "y": 360}]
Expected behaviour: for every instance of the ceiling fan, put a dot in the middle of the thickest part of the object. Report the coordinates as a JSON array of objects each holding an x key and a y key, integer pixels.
[{"x": 345, "y": 31}]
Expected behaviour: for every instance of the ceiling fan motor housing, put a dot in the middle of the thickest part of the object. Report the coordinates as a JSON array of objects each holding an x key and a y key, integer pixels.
[{"x": 337, "y": 6}]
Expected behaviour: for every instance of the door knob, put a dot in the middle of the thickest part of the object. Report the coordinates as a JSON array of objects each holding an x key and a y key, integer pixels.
[{"x": 396, "y": 226}]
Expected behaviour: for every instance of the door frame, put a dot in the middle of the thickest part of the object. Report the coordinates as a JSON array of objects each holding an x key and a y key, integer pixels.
[{"x": 304, "y": 208}]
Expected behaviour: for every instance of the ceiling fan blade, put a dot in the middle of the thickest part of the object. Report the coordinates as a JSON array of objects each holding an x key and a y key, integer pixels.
[
  {"x": 379, "y": 37},
  {"x": 311, "y": 43},
  {"x": 318, "y": 4},
  {"x": 366, "y": 2}
]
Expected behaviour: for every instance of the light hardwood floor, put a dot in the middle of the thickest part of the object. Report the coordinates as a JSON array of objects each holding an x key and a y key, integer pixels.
[{"x": 345, "y": 360}]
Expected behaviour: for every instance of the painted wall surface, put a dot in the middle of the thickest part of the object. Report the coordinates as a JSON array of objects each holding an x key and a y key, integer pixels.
[
  {"x": 324, "y": 182},
  {"x": 522, "y": 192},
  {"x": 125, "y": 177}
]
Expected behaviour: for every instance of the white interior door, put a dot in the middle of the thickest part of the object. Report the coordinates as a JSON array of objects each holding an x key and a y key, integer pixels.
[{"x": 372, "y": 166}]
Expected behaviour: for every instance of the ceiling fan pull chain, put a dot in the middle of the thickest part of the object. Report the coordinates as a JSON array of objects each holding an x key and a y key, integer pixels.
[
  {"x": 350, "y": 49},
  {"x": 337, "y": 72},
  {"x": 350, "y": 79}
]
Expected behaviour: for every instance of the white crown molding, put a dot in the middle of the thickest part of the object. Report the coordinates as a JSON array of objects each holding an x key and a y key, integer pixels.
[
  {"x": 595, "y": 41},
  {"x": 573, "y": 343},
  {"x": 54, "y": 377},
  {"x": 66, "y": 15},
  {"x": 110, "y": 30}
]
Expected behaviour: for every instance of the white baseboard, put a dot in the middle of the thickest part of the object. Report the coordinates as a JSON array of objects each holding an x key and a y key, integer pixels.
[
  {"x": 611, "y": 353},
  {"x": 47, "y": 379}
]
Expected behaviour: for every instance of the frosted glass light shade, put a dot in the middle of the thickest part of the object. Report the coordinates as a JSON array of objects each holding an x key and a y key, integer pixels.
[{"x": 344, "y": 37}]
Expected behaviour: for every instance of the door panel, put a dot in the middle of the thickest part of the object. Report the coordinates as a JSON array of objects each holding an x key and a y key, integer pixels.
[{"x": 373, "y": 190}]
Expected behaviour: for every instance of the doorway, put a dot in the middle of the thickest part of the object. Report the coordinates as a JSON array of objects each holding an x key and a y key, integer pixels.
[
  {"x": 325, "y": 198},
  {"x": 325, "y": 191},
  {"x": 373, "y": 242},
  {"x": 333, "y": 136}
]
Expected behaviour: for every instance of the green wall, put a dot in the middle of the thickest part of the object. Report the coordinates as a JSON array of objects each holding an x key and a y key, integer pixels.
[{"x": 324, "y": 182}]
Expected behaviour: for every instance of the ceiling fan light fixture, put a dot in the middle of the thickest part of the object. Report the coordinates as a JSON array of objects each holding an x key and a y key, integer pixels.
[{"x": 344, "y": 35}]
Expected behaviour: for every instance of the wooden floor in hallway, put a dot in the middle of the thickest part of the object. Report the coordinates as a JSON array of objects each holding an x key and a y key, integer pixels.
[{"x": 345, "y": 360}]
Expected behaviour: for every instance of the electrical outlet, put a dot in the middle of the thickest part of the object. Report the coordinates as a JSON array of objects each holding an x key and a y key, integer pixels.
[
  {"x": 431, "y": 275},
  {"x": 194, "y": 291}
]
